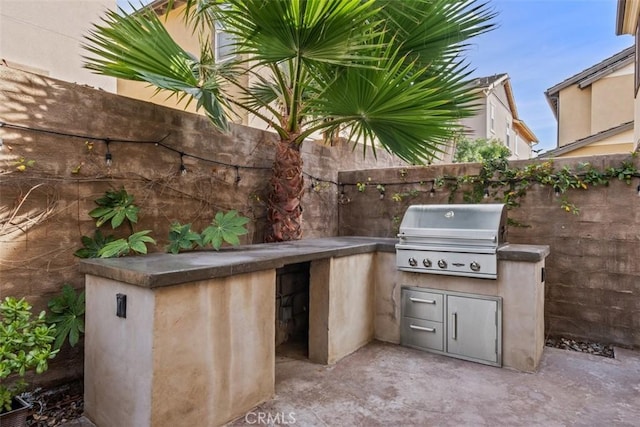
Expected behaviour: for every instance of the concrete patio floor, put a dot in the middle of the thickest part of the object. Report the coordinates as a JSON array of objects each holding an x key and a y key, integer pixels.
[{"x": 388, "y": 385}]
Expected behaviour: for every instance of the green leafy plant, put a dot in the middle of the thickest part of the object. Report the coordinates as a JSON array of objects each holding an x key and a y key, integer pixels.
[
  {"x": 93, "y": 246},
  {"x": 480, "y": 150},
  {"x": 182, "y": 238},
  {"x": 115, "y": 206},
  {"x": 136, "y": 243},
  {"x": 225, "y": 228},
  {"x": 25, "y": 345},
  {"x": 67, "y": 314}
]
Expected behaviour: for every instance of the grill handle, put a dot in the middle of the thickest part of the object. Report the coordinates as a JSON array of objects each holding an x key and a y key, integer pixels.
[
  {"x": 424, "y": 301},
  {"x": 454, "y": 334},
  {"x": 422, "y": 328}
]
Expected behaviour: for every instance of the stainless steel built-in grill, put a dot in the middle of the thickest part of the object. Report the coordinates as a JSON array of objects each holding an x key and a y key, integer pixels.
[{"x": 458, "y": 240}]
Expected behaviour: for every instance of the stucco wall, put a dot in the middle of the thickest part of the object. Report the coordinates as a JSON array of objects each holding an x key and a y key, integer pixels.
[
  {"x": 602, "y": 105},
  {"x": 612, "y": 100},
  {"x": 592, "y": 275},
  {"x": 183, "y": 355},
  {"x": 44, "y": 36},
  {"x": 574, "y": 114}
]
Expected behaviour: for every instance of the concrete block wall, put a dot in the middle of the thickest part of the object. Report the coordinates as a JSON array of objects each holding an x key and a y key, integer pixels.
[{"x": 592, "y": 274}]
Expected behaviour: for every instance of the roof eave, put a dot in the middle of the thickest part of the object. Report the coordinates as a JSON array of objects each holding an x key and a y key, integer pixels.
[
  {"x": 627, "y": 17},
  {"x": 622, "y": 5},
  {"x": 612, "y": 63},
  {"x": 587, "y": 140},
  {"x": 525, "y": 131}
]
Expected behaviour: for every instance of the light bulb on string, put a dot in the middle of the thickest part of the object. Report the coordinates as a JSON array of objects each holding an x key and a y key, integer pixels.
[
  {"x": 183, "y": 168},
  {"x": 638, "y": 189},
  {"x": 486, "y": 193},
  {"x": 108, "y": 158},
  {"x": 432, "y": 192}
]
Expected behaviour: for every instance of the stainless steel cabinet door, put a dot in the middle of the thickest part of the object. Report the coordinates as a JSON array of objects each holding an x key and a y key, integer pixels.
[{"x": 472, "y": 328}]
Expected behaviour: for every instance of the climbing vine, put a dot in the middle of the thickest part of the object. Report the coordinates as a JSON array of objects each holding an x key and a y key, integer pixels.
[{"x": 498, "y": 181}]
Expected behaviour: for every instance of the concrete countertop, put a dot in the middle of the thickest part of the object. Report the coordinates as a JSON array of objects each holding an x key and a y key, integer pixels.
[
  {"x": 161, "y": 269},
  {"x": 525, "y": 253}
]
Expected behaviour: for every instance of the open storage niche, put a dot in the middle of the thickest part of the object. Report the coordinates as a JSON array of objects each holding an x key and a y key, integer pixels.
[{"x": 292, "y": 310}]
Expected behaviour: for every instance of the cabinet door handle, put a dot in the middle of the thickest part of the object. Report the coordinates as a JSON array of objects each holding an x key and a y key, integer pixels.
[
  {"x": 422, "y": 328},
  {"x": 454, "y": 334},
  {"x": 424, "y": 301}
]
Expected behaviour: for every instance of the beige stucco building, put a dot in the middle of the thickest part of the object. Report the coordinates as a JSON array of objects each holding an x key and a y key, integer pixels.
[
  {"x": 627, "y": 23},
  {"x": 32, "y": 40},
  {"x": 595, "y": 108},
  {"x": 497, "y": 117}
]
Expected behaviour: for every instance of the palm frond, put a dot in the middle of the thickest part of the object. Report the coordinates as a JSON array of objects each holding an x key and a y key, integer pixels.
[
  {"x": 329, "y": 31},
  {"x": 138, "y": 47},
  {"x": 432, "y": 30},
  {"x": 396, "y": 106}
]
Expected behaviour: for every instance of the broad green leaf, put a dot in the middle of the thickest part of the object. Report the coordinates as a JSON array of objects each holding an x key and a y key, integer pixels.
[
  {"x": 114, "y": 249},
  {"x": 224, "y": 228}
]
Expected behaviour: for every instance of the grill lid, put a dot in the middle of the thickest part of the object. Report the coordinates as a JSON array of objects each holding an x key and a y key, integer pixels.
[{"x": 454, "y": 225}]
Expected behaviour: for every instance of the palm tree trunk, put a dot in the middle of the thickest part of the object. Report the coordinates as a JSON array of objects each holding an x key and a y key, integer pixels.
[{"x": 284, "y": 211}]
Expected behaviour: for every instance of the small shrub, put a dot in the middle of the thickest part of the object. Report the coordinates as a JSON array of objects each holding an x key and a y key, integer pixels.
[{"x": 25, "y": 345}]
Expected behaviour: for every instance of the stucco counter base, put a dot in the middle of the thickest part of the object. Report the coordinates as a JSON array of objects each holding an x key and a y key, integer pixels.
[{"x": 196, "y": 345}]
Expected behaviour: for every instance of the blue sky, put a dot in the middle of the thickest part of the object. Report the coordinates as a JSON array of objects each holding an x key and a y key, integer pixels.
[{"x": 540, "y": 43}]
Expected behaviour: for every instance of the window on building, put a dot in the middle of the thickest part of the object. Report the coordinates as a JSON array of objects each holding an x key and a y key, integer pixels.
[
  {"x": 223, "y": 44},
  {"x": 507, "y": 139},
  {"x": 492, "y": 116}
]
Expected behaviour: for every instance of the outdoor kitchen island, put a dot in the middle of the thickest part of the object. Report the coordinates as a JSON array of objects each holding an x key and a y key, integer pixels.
[{"x": 189, "y": 339}]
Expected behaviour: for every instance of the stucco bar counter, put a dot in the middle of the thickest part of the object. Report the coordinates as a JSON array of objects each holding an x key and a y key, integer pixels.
[{"x": 189, "y": 339}]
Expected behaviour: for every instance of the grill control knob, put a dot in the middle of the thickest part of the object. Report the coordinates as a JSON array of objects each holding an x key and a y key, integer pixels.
[
  {"x": 442, "y": 263},
  {"x": 426, "y": 262},
  {"x": 474, "y": 266},
  {"x": 413, "y": 262}
]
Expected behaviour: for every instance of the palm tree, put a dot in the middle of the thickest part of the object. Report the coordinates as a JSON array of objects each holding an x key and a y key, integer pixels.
[{"x": 391, "y": 73}]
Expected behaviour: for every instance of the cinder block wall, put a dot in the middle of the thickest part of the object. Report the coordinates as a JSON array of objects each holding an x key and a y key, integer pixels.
[
  {"x": 593, "y": 272},
  {"x": 44, "y": 209}
]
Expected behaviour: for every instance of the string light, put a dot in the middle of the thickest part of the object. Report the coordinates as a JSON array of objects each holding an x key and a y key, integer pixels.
[
  {"x": 638, "y": 189},
  {"x": 238, "y": 178},
  {"x": 432, "y": 192},
  {"x": 556, "y": 190},
  {"x": 183, "y": 168},
  {"x": 486, "y": 193},
  {"x": 108, "y": 159}
]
